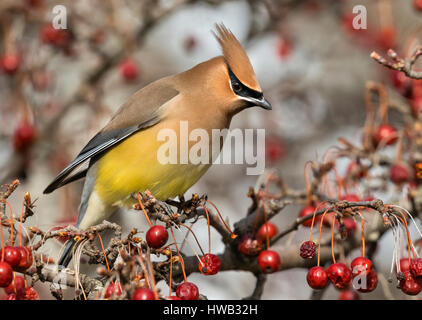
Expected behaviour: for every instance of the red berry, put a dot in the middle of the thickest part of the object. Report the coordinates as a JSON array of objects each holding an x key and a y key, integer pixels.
[
  {"x": 361, "y": 265},
  {"x": 12, "y": 256},
  {"x": 404, "y": 265},
  {"x": 385, "y": 134},
  {"x": 11, "y": 297},
  {"x": 6, "y": 274},
  {"x": 416, "y": 267},
  {"x": 17, "y": 287},
  {"x": 348, "y": 295},
  {"x": 157, "y": 236},
  {"x": 30, "y": 294},
  {"x": 317, "y": 278},
  {"x": 60, "y": 38},
  {"x": 268, "y": 261},
  {"x": 309, "y": 211},
  {"x": 143, "y": 294},
  {"x": 274, "y": 149},
  {"x": 371, "y": 282},
  {"x": 249, "y": 246},
  {"x": 340, "y": 275},
  {"x": 10, "y": 63},
  {"x": 187, "y": 291},
  {"x": 410, "y": 285},
  {"x": 49, "y": 34},
  {"x": 23, "y": 136},
  {"x": 417, "y": 4},
  {"x": 113, "y": 289},
  {"x": 26, "y": 259},
  {"x": 267, "y": 229},
  {"x": 210, "y": 264},
  {"x": 129, "y": 69},
  {"x": 399, "y": 174},
  {"x": 284, "y": 48},
  {"x": 307, "y": 250}
]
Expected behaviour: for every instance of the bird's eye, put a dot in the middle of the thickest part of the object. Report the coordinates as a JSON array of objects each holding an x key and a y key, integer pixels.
[{"x": 236, "y": 86}]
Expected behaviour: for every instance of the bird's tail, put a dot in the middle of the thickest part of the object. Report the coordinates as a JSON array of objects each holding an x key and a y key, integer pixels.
[{"x": 66, "y": 255}]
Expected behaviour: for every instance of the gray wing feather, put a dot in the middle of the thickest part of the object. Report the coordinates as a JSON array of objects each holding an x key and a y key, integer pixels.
[{"x": 95, "y": 147}]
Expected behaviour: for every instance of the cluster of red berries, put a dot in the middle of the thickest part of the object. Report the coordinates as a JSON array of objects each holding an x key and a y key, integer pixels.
[
  {"x": 341, "y": 276},
  {"x": 16, "y": 259},
  {"x": 251, "y": 245}
]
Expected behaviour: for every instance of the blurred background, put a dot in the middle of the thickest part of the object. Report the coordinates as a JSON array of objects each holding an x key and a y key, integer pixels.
[{"x": 59, "y": 87}]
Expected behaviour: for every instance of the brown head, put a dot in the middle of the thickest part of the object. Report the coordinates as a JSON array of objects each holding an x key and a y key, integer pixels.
[{"x": 228, "y": 81}]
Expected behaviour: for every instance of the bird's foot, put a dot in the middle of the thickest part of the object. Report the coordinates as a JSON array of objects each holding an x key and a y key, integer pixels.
[{"x": 187, "y": 206}]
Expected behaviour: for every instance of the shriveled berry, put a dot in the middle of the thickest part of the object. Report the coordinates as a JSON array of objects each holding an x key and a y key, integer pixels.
[
  {"x": 209, "y": 264},
  {"x": 157, "y": 236},
  {"x": 416, "y": 267},
  {"x": 30, "y": 294},
  {"x": 410, "y": 285},
  {"x": 268, "y": 261},
  {"x": 187, "y": 291},
  {"x": 307, "y": 249},
  {"x": 249, "y": 246},
  {"x": 317, "y": 277},
  {"x": 340, "y": 275}
]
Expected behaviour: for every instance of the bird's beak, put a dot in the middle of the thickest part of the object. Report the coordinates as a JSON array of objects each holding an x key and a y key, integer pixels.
[{"x": 263, "y": 103}]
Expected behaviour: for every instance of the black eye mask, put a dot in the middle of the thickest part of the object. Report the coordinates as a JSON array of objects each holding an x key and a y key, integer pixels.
[{"x": 241, "y": 90}]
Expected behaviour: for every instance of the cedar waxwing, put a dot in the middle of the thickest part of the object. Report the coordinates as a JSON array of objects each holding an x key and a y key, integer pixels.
[{"x": 122, "y": 157}]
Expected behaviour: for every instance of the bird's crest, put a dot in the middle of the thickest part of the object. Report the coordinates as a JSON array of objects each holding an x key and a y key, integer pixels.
[{"x": 236, "y": 57}]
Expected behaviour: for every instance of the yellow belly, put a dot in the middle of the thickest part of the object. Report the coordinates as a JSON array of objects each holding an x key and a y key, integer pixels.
[{"x": 132, "y": 166}]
